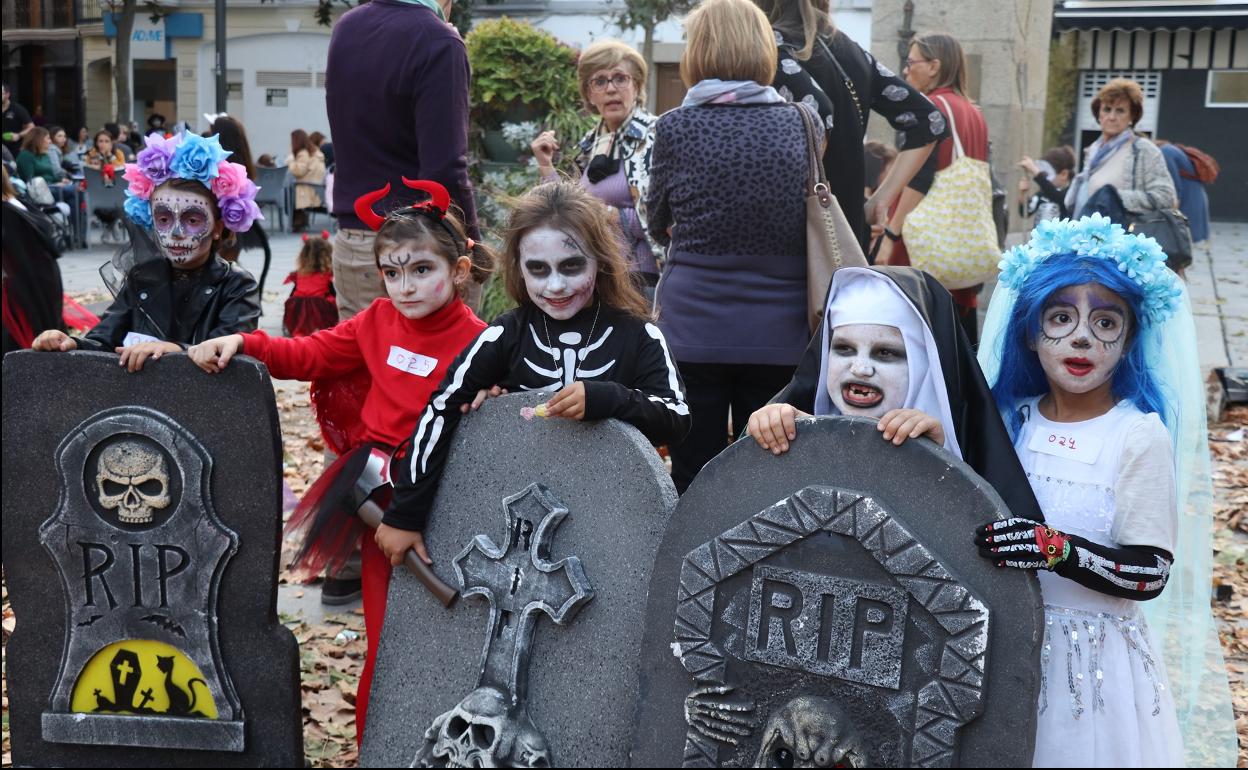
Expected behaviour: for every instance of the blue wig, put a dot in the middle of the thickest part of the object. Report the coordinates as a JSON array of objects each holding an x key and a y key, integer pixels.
[{"x": 1021, "y": 376}]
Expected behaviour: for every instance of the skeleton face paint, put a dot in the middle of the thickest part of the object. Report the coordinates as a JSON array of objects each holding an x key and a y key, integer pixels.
[
  {"x": 558, "y": 273},
  {"x": 418, "y": 281},
  {"x": 184, "y": 224},
  {"x": 1083, "y": 335},
  {"x": 868, "y": 374}
]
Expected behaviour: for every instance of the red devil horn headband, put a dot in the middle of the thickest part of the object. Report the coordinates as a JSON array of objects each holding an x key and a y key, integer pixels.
[{"x": 439, "y": 199}]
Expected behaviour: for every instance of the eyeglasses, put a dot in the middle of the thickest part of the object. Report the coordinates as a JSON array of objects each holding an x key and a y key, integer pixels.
[
  {"x": 912, "y": 62},
  {"x": 619, "y": 80}
]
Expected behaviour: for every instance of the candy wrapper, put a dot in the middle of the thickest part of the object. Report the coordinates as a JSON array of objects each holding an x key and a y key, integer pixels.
[{"x": 529, "y": 412}]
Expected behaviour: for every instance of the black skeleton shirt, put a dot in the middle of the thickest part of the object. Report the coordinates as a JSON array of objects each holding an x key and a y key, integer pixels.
[{"x": 624, "y": 361}]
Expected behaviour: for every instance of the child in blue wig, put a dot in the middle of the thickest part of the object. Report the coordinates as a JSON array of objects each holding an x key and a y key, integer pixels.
[{"x": 1084, "y": 349}]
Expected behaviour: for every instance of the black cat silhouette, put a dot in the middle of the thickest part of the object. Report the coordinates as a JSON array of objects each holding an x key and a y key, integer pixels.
[{"x": 181, "y": 702}]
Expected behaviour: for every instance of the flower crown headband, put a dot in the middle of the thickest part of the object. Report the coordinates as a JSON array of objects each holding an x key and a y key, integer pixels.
[
  {"x": 189, "y": 156},
  {"x": 1138, "y": 256}
]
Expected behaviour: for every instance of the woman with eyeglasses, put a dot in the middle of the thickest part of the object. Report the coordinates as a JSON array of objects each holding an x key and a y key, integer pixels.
[
  {"x": 823, "y": 67},
  {"x": 614, "y": 157},
  {"x": 936, "y": 65}
]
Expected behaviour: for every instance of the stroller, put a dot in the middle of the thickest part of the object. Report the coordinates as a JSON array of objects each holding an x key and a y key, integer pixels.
[
  {"x": 106, "y": 198},
  {"x": 39, "y": 196}
]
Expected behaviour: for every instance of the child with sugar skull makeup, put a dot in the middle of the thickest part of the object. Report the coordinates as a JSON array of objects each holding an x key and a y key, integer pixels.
[
  {"x": 1090, "y": 346},
  {"x": 391, "y": 357},
  {"x": 891, "y": 348},
  {"x": 582, "y": 332},
  {"x": 192, "y": 199}
]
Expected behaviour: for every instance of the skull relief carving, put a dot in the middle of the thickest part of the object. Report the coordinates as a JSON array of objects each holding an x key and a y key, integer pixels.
[
  {"x": 133, "y": 479},
  {"x": 810, "y": 732},
  {"x": 482, "y": 731}
]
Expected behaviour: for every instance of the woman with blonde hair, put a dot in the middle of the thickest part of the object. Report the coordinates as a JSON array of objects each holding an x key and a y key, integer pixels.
[
  {"x": 614, "y": 157},
  {"x": 307, "y": 168},
  {"x": 727, "y": 191}
]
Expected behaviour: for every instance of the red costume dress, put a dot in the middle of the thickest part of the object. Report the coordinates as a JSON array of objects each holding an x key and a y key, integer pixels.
[
  {"x": 404, "y": 361},
  {"x": 311, "y": 305}
]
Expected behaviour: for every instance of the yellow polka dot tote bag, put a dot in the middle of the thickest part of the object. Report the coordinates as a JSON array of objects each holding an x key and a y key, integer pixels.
[{"x": 950, "y": 234}]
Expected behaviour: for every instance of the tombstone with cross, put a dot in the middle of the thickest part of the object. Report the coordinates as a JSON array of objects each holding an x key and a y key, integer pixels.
[{"x": 549, "y": 529}]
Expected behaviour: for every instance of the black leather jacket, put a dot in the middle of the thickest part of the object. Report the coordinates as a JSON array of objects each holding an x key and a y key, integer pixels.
[{"x": 221, "y": 298}]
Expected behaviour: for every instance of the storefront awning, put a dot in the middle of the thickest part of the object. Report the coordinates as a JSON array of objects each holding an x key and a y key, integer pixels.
[{"x": 1113, "y": 14}]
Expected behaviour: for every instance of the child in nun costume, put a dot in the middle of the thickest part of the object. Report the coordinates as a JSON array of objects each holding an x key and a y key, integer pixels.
[{"x": 891, "y": 347}]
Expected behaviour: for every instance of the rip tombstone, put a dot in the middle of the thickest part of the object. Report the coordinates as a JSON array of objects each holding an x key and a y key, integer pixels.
[
  {"x": 827, "y": 608},
  {"x": 141, "y": 519},
  {"x": 548, "y": 528}
]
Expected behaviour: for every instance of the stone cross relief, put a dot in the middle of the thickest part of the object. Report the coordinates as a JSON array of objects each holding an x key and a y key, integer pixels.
[{"x": 491, "y": 727}]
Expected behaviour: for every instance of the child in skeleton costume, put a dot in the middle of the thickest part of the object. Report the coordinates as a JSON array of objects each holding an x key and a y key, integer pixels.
[
  {"x": 395, "y": 352},
  {"x": 1090, "y": 345},
  {"x": 177, "y": 290},
  {"x": 891, "y": 348},
  {"x": 581, "y": 332}
]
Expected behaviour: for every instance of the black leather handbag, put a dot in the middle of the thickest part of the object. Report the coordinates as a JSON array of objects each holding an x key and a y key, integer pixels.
[{"x": 1164, "y": 224}]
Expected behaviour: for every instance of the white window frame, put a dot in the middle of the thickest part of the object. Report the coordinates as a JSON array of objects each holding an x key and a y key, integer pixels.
[{"x": 1209, "y": 91}]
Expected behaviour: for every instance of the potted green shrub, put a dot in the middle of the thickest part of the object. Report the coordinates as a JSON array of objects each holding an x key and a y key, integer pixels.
[{"x": 519, "y": 74}]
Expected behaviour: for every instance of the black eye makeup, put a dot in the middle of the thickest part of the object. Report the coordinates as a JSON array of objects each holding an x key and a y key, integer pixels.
[
  {"x": 536, "y": 268},
  {"x": 573, "y": 265},
  {"x": 888, "y": 354}
]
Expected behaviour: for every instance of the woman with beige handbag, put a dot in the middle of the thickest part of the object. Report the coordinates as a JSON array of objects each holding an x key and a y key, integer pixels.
[{"x": 727, "y": 176}]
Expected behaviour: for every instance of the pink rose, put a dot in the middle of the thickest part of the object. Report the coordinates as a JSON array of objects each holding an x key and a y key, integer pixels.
[
  {"x": 140, "y": 185},
  {"x": 231, "y": 180}
]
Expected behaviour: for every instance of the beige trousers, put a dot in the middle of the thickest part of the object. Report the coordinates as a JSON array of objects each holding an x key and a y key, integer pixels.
[{"x": 356, "y": 277}]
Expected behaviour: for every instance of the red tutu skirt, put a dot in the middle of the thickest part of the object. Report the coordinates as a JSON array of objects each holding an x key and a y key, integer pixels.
[{"x": 308, "y": 315}]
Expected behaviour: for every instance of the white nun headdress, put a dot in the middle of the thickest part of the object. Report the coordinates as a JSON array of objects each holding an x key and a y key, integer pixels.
[{"x": 860, "y": 295}]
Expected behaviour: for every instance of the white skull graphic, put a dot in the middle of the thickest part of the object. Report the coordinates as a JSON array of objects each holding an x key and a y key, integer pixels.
[
  {"x": 133, "y": 479},
  {"x": 482, "y": 731}
]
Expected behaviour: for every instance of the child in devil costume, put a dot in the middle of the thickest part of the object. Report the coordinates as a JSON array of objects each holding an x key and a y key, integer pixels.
[
  {"x": 311, "y": 305},
  {"x": 396, "y": 351},
  {"x": 1090, "y": 346},
  {"x": 177, "y": 290},
  {"x": 581, "y": 331},
  {"x": 891, "y": 348}
]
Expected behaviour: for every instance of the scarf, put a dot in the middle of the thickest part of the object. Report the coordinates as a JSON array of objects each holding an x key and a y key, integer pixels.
[
  {"x": 1101, "y": 151},
  {"x": 716, "y": 91},
  {"x": 430, "y": 4}
]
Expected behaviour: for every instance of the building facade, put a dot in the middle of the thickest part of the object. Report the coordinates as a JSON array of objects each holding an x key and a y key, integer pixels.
[
  {"x": 42, "y": 57},
  {"x": 1190, "y": 58},
  {"x": 275, "y": 64}
]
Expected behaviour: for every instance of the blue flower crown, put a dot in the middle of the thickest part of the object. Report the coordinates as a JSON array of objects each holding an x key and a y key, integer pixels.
[{"x": 1139, "y": 256}]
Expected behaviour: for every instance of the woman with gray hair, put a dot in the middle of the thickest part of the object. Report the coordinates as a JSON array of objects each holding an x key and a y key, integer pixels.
[{"x": 614, "y": 157}]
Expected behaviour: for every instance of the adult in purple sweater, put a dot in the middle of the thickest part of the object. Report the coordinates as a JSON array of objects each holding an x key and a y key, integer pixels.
[
  {"x": 396, "y": 91},
  {"x": 727, "y": 196}
]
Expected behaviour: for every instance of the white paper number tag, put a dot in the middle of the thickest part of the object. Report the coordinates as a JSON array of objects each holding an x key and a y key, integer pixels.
[
  {"x": 412, "y": 363},
  {"x": 134, "y": 338},
  {"x": 1080, "y": 445}
]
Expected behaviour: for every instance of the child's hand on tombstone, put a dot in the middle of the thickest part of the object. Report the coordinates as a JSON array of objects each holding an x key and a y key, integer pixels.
[
  {"x": 774, "y": 426},
  {"x": 482, "y": 395},
  {"x": 135, "y": 356},
  {"x": 212, "y": 355},
  {"x": 901, "y": 424},
  {"x": 394, "y": 543},
  {"x": 568, "y": 403},
  {"x": 55, "y": 341}
]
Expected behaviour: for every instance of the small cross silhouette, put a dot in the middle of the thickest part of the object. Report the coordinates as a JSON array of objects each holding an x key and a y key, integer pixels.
[{"x": 124, "y": 670}]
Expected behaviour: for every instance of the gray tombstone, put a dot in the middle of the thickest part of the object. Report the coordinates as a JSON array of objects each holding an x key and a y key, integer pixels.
[
  {"x": 142, "y": 515},
  {"x": 549, "y": 529},
  {"x": 827, "y": 608}
]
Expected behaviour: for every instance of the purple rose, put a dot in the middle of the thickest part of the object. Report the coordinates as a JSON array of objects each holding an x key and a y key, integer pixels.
[
  {"x": 239, "y": 212},
  {"x": 155, "y": 158}
]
